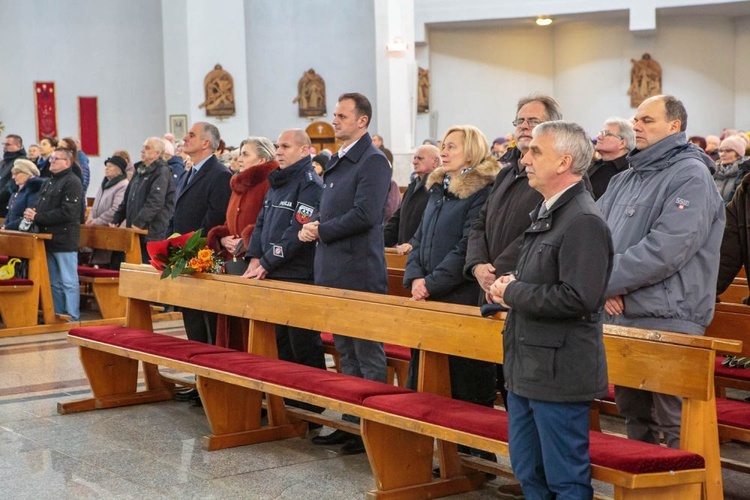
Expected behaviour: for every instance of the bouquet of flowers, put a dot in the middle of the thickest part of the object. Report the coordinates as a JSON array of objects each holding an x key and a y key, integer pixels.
[{"x": 183, "y": 254}]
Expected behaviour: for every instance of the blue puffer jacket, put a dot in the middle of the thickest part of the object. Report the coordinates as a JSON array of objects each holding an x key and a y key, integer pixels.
[
  {"x": 24, "y": 198},
  {"x": 440, "y": 243},
  {"x": 667, "y": 222}
]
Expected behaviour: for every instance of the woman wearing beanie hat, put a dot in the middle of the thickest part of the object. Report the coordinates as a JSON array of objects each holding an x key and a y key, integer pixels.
[
  {"x": 729, "y": 168},
  {"x": 107, "y": 201},
  {"x": 28, "y": 183}
]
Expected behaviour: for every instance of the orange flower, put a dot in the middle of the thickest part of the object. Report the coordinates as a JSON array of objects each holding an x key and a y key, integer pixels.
[
  {"x": 195, "y": 263},
  {"x": 205, "y": 254}
]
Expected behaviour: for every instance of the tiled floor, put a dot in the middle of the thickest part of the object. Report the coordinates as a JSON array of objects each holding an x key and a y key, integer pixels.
[{"x": 154, "y": 450}]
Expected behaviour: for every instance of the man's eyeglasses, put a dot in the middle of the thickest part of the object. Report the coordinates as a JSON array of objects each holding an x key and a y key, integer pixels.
[
  {"x": 531, "y": 122},
  {"x": 605, "y": 133},
  {"x": 53, "y": 159}
]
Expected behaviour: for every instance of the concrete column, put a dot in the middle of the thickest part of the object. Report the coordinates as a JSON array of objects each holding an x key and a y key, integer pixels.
[
  {"x": 197, "y": 36},
  {"x": 396, "y": 74}
]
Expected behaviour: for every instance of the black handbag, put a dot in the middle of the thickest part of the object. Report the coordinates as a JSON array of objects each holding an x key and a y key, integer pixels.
[{"x": 236, "y": 266}]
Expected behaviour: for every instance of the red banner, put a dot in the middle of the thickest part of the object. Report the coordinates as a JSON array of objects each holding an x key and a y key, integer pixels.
[
  {"x": 88, "y": 119},
  {"x": 46, "y": 110}
]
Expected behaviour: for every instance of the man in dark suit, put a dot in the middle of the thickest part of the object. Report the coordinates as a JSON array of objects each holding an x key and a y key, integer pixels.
[
  {"x": 350, "y": 236},
  {"x": 202, "y": 201}
]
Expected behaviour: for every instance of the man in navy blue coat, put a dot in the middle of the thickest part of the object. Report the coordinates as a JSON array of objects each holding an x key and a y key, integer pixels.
[
  {"x": 202, "y": 200},
  {"x": 349, "y": 233}
]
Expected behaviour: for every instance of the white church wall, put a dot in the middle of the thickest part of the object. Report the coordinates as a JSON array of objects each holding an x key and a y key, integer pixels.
[
  {"x": 337, "y": 39},
  {"x": 111, "y": 50}
]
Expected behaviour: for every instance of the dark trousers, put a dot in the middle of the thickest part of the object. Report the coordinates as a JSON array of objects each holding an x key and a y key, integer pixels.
[
  {"x": 199, "y": 325},
  {"x": 471, "y": 380},
  {"x": 304, "y": 347},
  {"x": 549, "y": 447}
]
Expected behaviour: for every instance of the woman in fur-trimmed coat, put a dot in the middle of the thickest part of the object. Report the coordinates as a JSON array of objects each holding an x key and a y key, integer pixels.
[
  {"x": 434, "y": 269},
  {"x": 249, "y": 187}
]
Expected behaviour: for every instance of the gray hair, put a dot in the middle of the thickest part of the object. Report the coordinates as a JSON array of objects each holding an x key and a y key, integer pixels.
[
  {"x": 158, "y": 144},
  {"x": 551, "y": 106},
  {"x": 570, "y": 138},
  {"x": 626, "y": 130},
  {"x": 210, "y": 133},
  {"x": 263, "y": 147}
]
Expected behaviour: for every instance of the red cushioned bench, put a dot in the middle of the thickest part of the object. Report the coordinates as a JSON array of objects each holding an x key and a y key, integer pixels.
[
  {"x": 680, "y": 365},
  {"x": 103, "y": 284},
  {"x": 231, "y": 384}
]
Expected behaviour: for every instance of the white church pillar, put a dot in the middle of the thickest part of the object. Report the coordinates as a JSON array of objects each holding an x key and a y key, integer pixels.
[
  {"x": 197, "y": 36},
  {"x": 396, "y": 70}
]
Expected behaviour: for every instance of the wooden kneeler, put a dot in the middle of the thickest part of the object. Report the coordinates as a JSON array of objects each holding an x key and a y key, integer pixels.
[
  {"x": 411, "y": 475},
  {"x": 114, "y": 382},
  {"x": 233, "y": 414}
]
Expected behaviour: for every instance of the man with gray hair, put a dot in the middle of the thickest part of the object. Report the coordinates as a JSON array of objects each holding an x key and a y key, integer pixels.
[
  {"x": 403, "y": 224},
  {"x": 202, "y": 200},
  {"x": 149, "y": 198},
  {"x": 555, "y": 299},
  {"x": 613, "y": 143},
  {"x": 667, "y": 221}
]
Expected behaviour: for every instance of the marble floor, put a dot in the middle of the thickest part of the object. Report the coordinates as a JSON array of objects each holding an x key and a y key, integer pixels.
[{"x": 154, "y": 450}]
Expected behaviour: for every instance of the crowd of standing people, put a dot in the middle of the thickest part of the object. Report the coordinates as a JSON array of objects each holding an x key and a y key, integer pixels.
[{"x": 565, "y": 232}]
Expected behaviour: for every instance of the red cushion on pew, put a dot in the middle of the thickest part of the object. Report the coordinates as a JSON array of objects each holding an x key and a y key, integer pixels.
[
  {"x": 734, "y": 413},
  {"x": 4, "y": 260},
  {"x": 606, "y": 450},
  {"x": 148, "y": 342},
  {"x": 725, "y": 371},
  {"x": 16, "y": 282},
  {"x": 637, "y": 457},
  {"x": 446, "y": 412},
  {"x": 92, "y": 272},
  {"x": 391, "y": 350},
  {"x": 296, "y": 376},
  {"x": 397, "y": 351}
]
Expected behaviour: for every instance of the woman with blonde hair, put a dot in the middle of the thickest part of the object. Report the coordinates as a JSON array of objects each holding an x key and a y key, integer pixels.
[
  {"x": 434, "y": 269},
  {"x": 257, "y": 159}
]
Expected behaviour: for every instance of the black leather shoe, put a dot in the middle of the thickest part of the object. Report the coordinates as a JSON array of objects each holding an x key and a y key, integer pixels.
[
  {"x": 188, "y": 395},
  {"x": 336, "y": 437},
  {"x": 196, "y": 401},
  {"x": 354, "y": 446}
]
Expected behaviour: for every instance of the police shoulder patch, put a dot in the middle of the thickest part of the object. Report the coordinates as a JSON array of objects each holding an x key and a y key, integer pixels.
[{"x": 304, "y": 213}]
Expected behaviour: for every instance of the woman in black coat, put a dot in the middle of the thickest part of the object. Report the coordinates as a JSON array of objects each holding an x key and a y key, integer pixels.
[{"x": 434, "y": 269}]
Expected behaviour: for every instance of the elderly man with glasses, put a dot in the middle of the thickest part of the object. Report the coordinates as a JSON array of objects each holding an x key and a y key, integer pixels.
[
  {"x": 502, "y": 220},
  {"x": 58, "y": 213},
  {"x": 613, "y": 143}
]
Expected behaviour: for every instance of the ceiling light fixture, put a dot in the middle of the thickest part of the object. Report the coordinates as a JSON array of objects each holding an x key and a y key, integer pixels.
[{"x": 543, "y": 21}]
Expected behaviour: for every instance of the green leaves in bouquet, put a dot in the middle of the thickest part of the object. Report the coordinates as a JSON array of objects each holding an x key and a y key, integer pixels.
[{"x": 179, "y": 257}]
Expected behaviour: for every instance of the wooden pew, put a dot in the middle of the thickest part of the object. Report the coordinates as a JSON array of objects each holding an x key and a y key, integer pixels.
[
  {"x": 103, "y": 282},
  {"x": 395, "y": 265},
  {"x": 20, "y": 304},
  {"x": 659, "y": 361}
]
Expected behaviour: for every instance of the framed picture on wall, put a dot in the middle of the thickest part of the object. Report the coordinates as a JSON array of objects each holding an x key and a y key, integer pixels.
[{"x": 178, "y": 126}]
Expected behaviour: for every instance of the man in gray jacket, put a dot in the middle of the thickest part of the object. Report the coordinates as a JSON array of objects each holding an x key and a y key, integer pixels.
[
  {"x": 667, "y": 222},
  {"x": 149, "y": 199}
]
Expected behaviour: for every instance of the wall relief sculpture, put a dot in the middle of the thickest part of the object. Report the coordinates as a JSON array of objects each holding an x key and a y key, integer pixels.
[
  {"x": 423, "y": 91},
  {"x": 311, "y": 95},
  {"x": 219, "y": 88},
  {"x": 645, "y": 80}
]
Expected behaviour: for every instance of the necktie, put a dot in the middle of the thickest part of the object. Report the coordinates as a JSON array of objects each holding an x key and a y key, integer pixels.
[{"x": 190, "y": 176}]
